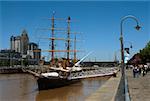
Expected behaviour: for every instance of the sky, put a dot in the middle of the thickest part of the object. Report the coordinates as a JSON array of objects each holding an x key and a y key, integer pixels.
[{"x": 97, "y": 21}]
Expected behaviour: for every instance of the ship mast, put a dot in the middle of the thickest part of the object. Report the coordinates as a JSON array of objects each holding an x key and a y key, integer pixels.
[
  {"x": 75, "y": 49},
  {"x": 68, "y": 40},
  {"x": 52, "y": 41}
]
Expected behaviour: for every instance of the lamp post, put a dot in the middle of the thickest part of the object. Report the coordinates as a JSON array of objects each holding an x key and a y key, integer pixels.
[{"x": 137, "y": 27}]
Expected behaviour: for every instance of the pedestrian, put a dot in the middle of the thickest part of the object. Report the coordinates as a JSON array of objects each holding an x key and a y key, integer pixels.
[
  {"x": 135, "y": 71},
  {"x": 140, "y": 69},
  {"x": 143, "y": 70},
  {"x": 146, "y": 68}
]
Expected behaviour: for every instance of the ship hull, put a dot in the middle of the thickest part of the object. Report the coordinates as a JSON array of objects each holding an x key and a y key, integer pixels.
[{"x": 50, "y": 83}]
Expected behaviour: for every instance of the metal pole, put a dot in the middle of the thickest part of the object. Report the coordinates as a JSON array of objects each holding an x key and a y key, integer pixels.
[
  {"x": 52, "y": 46},
  {"x": 68, "y": 41},
  {"x": 75, "y": 58},
  {"x": 121, "y": 39},
  {"x": 122, "y": 46},
  {"x": 122, "y": 55}
]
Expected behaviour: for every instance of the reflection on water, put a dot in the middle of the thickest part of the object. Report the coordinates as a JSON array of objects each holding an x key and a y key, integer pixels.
[
  {"x": 15, "y": 87},
  {"x": 18, "y": 87}
]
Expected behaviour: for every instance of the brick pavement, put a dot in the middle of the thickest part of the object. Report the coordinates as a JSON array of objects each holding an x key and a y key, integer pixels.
[{"x": 139, "y": 88}]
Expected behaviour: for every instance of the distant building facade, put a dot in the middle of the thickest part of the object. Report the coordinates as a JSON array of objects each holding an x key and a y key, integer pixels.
[
  {"x": 34, "y": 51},
  {"x": 9, "y": 57},
  {"x": 15, "y": 43},
  {"x": 20, "y": 43},
  {"x": 24, "y": 42}
]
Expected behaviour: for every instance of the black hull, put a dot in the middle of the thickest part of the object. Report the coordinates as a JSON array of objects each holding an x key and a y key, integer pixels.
[{"x": 50, "y": 83}]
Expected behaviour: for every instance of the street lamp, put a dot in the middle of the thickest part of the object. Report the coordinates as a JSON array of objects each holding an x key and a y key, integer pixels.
[{"x": 137, "y": 27}]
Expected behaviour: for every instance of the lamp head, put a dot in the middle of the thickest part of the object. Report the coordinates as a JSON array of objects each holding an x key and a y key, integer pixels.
[
  {"x": 69, "y": 18},
  {"x": 137, "y": 27}
]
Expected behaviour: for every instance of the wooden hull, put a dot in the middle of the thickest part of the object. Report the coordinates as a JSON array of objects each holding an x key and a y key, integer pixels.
[{"x": 50, "y": 83}]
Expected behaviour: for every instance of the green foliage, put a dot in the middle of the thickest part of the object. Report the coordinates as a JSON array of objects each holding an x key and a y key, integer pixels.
[{"x": 145, "y": 53}]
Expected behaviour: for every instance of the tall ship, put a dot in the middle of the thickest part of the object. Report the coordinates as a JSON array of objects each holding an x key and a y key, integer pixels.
[{"x": 59, "y": 69}]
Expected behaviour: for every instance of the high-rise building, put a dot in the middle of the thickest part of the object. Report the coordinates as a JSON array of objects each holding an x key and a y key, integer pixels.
[
  {"x": 24, "y": 42},
  {"x": 15, "y": 43},
  {"x": 27, "y": 50},
  {"x": 20, "y": 43}
]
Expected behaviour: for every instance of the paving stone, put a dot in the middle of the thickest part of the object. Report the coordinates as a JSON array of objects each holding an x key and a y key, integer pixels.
[{"x": 139, "y": 88}]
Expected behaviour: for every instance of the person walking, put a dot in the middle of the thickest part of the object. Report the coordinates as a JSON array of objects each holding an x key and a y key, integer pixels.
[
  {"x": 143, "y": 71},
  {"x": 135, "y": 71}
]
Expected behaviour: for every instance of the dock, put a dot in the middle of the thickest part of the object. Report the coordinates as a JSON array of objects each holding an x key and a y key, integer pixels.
[
  {"x": 9, "y": 70},
  {"x": 108, "y": 91}
]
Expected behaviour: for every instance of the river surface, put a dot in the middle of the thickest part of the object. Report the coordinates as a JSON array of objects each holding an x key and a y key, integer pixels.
[{"x": 23, "y": 87}]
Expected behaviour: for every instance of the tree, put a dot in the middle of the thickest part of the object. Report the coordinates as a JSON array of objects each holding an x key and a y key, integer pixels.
[
  {"x": 142, "y": 57},
  {"x": 145, "y": 53}
]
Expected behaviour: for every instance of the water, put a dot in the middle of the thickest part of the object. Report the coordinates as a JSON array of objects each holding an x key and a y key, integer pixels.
[{"x": 23, "y": 87}]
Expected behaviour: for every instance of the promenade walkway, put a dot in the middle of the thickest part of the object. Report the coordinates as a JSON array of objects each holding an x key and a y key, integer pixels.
[
  {"x": 106, "y": 92},
  {"x": 139, "y": 88}
]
